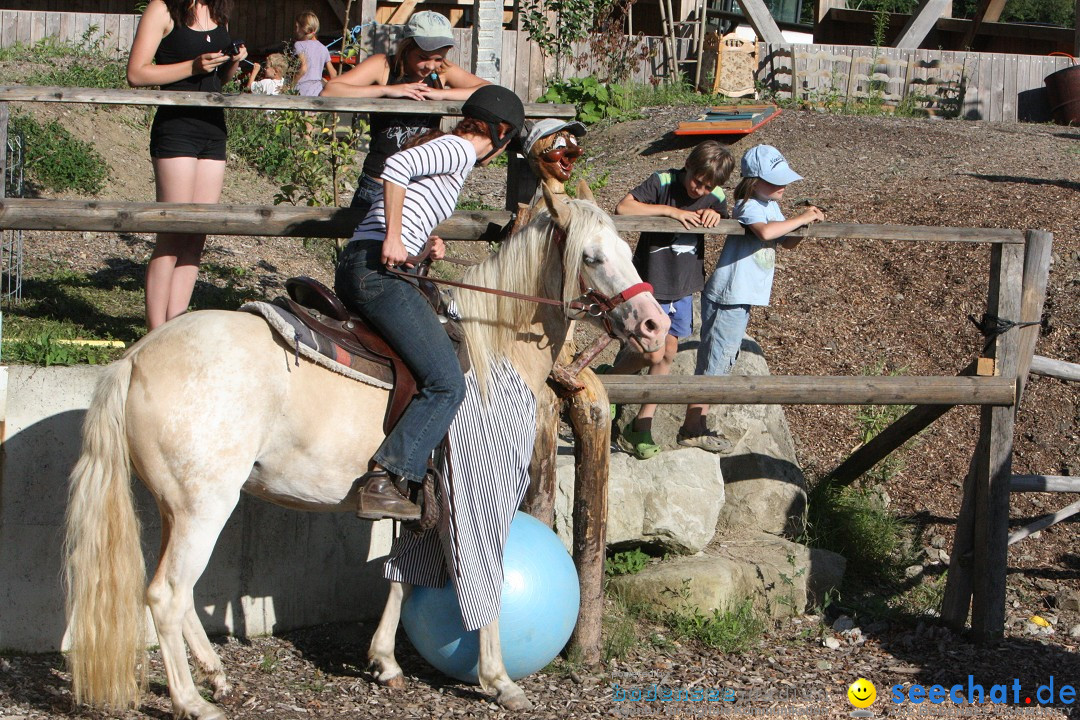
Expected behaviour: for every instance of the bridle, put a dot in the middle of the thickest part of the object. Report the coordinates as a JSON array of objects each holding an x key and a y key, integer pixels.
[{"x": 591, "y": 302}]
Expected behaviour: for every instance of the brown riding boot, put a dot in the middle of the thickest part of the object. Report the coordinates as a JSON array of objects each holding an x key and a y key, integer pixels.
[{"x": 381, "y": 497}]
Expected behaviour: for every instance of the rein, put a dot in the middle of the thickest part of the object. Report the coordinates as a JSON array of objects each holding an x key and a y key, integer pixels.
[{"x": 598, "y": 304}]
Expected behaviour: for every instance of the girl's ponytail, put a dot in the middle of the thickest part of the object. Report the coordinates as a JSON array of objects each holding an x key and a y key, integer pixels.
[{"x": 745, "y": 189}]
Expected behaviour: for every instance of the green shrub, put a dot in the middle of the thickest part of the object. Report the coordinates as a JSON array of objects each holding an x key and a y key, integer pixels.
[
  {"x": 253, "y": 139},
  {"x": 48, "y": 349},
  {"x": 57, "y": 160},
  {"x": 734, "y": 630},
  {"x": 594, "y": 100},
  {"x": 626, "y": 563}
]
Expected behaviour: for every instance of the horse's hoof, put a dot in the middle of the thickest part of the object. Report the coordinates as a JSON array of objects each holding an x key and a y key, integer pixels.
[
  {"x": 223, "y": 693},
  {"x": 394, "y": 682},
  {"x": 514, "y": 701}
]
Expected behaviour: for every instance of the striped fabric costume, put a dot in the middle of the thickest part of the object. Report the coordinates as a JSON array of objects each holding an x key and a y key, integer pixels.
[{"x": 491, "y": 449}]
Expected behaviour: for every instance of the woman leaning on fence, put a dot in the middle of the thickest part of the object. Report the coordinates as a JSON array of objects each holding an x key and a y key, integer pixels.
[{"x": 183, "y": 45}]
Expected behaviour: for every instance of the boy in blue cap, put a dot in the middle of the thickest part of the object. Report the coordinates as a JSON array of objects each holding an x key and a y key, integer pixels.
[{"x": 744, "y": 273}]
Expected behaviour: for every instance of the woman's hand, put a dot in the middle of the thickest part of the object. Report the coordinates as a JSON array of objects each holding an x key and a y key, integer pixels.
[
  {"x": 438, "y": 248},
  {"x": 242, "y": 55},
  {"x": 413, "y": 91},
  {"x": 208, "y": 62},
  {"x": 393, "y": 251}
]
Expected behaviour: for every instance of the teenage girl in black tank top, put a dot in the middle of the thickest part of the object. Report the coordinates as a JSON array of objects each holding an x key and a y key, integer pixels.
[
  {"x": 179, "y": 46},
  {"x": 418, "y": 70}
]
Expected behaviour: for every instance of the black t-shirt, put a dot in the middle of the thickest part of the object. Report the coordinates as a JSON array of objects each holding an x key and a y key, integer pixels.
[
  {"x": 390, "y": 131},
  {"x": 674, "y": 263}
]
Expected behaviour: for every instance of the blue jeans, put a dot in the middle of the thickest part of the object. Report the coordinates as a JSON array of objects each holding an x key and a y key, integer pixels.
[
  {"x": 401, "y": 314},
  {"x": 722, "y": 329},
  {"x": 367, "y": 192}
]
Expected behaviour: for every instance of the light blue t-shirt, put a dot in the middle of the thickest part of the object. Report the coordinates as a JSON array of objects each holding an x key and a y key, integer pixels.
[{"x": 744, "y": 272}]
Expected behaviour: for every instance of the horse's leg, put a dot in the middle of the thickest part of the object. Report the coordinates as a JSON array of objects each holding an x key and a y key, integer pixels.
[
  {"x": 381, "y": 652},
  {"x": 208, "y": 667},
  {"x": 186, "y": 550},
  {"x": 492, "y": 672}
]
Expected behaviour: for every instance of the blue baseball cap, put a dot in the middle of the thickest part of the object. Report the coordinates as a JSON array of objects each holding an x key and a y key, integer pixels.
[{"x": 766, "y": 162}]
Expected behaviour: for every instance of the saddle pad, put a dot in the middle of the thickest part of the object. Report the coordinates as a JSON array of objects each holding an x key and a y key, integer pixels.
[{"x": 307, "y": 344}]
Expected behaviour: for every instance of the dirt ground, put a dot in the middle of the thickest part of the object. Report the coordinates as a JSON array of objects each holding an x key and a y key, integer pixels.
[{"x": 839, "y": 308}]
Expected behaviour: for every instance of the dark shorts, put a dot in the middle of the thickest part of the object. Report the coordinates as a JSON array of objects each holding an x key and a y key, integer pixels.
[
  {"x": 188, "y": 132},
  {"x": 172, "y": 146}
]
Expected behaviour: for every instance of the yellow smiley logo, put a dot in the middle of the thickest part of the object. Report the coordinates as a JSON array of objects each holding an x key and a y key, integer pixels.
[{"x": 862, "y": 693}]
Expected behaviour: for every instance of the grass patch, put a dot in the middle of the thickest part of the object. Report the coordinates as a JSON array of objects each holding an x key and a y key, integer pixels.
[
  {"x": 627, "y": 562},
  {"x": 58, "y": 161},
  {"x": 620, "y": 624},
  {"x": 734, "y": 630},
  {"x": 90, "y": 73},
  {"x": 850, "y": 521},
  {"x": 255, "y": 141}
]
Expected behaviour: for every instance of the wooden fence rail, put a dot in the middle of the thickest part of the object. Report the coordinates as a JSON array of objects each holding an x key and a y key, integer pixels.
[{"x": 293, "y": 221}]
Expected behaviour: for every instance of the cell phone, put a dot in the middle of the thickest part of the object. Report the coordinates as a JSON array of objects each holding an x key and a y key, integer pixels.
[{"x": 234, "y": 49}]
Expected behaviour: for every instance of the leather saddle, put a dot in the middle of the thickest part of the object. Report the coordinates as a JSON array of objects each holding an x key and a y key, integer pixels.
[{"x": 323, "y": 313}]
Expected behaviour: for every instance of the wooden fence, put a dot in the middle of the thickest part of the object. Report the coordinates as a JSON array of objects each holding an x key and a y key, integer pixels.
[{"x": 976, "y": 86}]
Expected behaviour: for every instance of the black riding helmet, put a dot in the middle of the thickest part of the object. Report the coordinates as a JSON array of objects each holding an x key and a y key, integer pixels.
[{"x": 494, "y": 104}]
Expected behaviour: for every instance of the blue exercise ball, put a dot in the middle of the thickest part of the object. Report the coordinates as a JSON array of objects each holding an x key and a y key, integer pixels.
[{"x": 540, "y": 600}]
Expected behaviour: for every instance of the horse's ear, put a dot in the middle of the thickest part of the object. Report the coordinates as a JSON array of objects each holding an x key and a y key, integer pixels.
[
  {"x": 584, "y": 192},
  {"x": 557, "y": 206}
]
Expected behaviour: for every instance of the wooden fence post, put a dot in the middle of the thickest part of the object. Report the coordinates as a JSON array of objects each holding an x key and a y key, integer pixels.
[{"x": 1036, "y": 272}]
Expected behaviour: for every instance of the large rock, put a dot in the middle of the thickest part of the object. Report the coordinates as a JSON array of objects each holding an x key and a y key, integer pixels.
[
  {"x": 782, "y": 578},
  {"x": 765, "y": 487},
  {"x": 671, "y": 501}
]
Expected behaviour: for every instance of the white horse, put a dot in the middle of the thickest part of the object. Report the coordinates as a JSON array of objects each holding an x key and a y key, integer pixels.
[{"x": 209, "y": 405}]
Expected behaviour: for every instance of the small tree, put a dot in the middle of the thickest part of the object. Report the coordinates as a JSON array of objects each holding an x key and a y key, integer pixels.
[{"x": 573, "y": 20}]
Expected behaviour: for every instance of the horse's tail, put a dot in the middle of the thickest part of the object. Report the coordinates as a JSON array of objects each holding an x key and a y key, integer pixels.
[{"x": 104, "y": 570}]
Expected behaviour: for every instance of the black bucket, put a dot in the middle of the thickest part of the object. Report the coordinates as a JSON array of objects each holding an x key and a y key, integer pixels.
[{"x": 1063, "y": 91}]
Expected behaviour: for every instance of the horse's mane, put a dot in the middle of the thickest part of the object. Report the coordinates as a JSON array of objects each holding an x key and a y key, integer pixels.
[{"x": 492, "y": 322}]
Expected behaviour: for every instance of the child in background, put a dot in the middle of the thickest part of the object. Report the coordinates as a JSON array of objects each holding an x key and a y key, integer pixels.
[
  {"x": 744, "y": 272},
  {"x": 313, "y": 55},
  {"x": 674, "y": 263},
  {"x": 273, "y": 80}
]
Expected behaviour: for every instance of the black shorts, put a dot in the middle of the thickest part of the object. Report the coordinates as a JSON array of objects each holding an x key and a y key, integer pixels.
[{"x": 179, "y": 132}]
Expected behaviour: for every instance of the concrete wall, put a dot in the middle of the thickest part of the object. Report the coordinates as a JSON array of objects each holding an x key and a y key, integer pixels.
[{"x": 272, "y": 570}]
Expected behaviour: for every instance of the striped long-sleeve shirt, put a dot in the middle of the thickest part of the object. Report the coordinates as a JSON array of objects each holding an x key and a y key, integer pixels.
[{"x": 432, "y": 175}]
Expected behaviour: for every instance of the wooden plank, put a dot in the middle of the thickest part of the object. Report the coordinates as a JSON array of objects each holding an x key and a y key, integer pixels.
[
  {"x": 508, "y": 66},
  {"x": 1058, "y": 369},
  {"x": 1036, "y": 273},
  {"x": 1008, "y": 88},
  {"x": 1044, "y": 483},
  {"x": 759, "y": 17},
  {"x": 956, "y": 601},
  {"x": 522, "y": 53},
  {"x": 994, "y": 467},
  {"x": 1044, "y": 522},
  {"x": 125, "y": 34},
  {"x": 338, "y": 8},
  {"x": 806, "y": 390},
  {"x": 67, "y": 24},
  {"x": 37, "y": 27},
  {"x": 52, "y": 24},
  {"x": 997, "y": 87},
  {"x": 111, "y": 32},
  {"x": 921, "y": 23},
  {"x": 23, "y": 28},
  {"x": 29, "y": 93}
]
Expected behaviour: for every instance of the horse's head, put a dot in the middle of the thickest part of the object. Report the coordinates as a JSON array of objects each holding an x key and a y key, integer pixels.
[{"x": 600, "y": 282}]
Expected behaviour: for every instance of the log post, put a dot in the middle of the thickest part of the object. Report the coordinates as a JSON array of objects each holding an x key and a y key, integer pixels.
[
  {"x": 590, "y": 416},
  {"x": 983, "y": 524},
  {"x": 1036, "y": 271}
]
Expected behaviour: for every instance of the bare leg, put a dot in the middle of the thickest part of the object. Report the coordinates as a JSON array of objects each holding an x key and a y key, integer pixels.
[
  {"x": 174, "y": 265},
  {"x": 381, "y": 651},
  {"x": 492, "y": 671}
]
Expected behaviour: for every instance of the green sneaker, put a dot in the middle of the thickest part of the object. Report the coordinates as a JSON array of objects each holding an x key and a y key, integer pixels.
[{"x": 638, "y": 443}]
